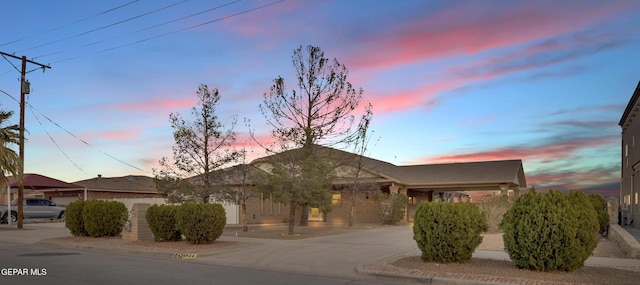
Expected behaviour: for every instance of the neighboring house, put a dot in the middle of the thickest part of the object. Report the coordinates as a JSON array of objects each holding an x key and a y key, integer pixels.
[
  {"x": 426, "y": 182},
  {"x": 35, "y": 186},
  {"x": 106, "y": 189},
  {"x": 630, "y": 162}
]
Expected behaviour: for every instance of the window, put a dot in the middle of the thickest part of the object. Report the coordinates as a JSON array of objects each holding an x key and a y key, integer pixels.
[
  {"x": 336, "y": 198},
  {"x": 626, "y": 150}
]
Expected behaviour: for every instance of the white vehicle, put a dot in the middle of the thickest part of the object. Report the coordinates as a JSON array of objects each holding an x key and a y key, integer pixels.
[{"x": 34, "y": 208}]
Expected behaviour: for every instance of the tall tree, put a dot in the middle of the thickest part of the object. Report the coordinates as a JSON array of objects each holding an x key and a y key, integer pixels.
[
  {"x": 300, "y": 182},
  {"x": 202, "y": 146},
  {"x": 9, "y": 159},
  {"x": 320, "y": 111}
]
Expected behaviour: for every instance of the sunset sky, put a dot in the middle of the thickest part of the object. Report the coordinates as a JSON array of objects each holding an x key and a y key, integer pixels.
[{"x": 449, "y": 81}]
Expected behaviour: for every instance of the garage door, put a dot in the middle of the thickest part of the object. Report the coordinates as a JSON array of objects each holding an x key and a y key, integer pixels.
[{"x": 63, "y": 200}]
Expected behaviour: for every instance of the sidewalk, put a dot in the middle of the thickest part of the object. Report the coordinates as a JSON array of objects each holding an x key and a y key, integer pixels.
[
  {"x": 634, "y": 232},
  {"x": 368, "y": 251}
]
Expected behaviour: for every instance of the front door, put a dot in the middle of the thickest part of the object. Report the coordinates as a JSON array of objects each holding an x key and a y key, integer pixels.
[{"x": 315, "y": 214}]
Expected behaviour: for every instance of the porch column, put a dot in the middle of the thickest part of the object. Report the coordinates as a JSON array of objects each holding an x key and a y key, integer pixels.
[
  {"x": 394, "y": 188},
  {"x": 504, "y": 189},
  {"x": 516, "y": 192}
]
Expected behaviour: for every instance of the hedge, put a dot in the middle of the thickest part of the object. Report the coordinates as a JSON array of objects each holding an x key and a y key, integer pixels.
[
  {"x": 448, "y": 232},
  {"x": 201, "y": 223},
  {"x": 104, "y": 218},
  {"x": 162, "y": 222},
  {"x": 73, "y": 218},
  {"x": 551, "y": 231}
]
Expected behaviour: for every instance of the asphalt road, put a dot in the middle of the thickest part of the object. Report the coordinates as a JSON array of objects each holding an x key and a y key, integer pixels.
[{"x": 42, "y": 264}]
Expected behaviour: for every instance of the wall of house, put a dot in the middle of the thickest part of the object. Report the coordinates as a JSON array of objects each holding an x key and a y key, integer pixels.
[
  {"x": 266, "y": 211},
  {"x": 69, "y": 196},
  {"x": 366, "y": 210},
  {"x": 630, "y": 182}
]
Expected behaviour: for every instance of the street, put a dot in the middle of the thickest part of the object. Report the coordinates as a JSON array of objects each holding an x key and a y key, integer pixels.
[{"x": 42, "y": 264}]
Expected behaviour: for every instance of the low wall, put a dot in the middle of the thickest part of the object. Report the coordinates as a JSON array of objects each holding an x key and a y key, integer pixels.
[{"x": 625, "y": 241}]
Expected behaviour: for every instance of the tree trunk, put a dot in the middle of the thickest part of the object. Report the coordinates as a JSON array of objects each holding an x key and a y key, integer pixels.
[
  {"x": 245, "y": 226},
  {"x": 304, "y": 216},
  {"x": 292, "y": 217}
]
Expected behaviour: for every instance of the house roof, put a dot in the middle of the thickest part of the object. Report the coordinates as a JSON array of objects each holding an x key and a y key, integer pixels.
[
  {"x": 38, "y": 182},
  {"x": 501, "y": 171},
  {"x": 130, "y": 183},
  {"x": 234, "y": 174},
  {"x": 630, "y": 106},
  {"x": 487, "y": 174}
]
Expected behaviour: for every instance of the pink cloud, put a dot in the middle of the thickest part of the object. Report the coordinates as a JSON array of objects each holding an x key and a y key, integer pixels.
[
  {"x": 439, "y": 36},
  {"x": 572, "y": 180},
  {"x": 547, "y": 152},
  {"x": 421, "y": 96}
]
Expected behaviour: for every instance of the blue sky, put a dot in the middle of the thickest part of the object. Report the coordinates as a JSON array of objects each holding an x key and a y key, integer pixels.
[{"x": 450, "y": 81}]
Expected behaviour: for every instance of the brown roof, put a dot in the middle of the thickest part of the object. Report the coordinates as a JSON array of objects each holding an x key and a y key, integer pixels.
[
  {"x": 130, "y": 183},
  {"x": 37, "y": 182},
  {"x": 500, "y": 171},
  {"x": 481, "y": 172},
  {"x": 630, "y": 105}
]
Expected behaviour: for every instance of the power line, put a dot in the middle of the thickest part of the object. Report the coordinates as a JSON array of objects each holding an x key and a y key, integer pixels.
[
  {"x": 54, "y": 141},
  {"x": 141, "y": 30},
  {"x": 193, "y": 27},
  {"x": 172, "y": 32},
  {"x": 71, "y": 134},
  {"x": 77, "y": 21},
  {"x": 173, "y": 21},
  {"x": 104, "y": 27}
]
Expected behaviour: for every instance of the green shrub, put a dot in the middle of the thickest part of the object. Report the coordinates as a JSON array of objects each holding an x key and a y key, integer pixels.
[
  {"x": 547, "y": 232},
  {"x": 392, "y": 208},
  {"x": 588, "y": 227},
  {"x": 201, "y": 223},
  {"x": 448, "y": 232},
  {"x": 73, "y": 218},
  {"x": 162, "y": 222},
  {"x": 104, "y": 218},
  {"x": 600, "y": 205}
]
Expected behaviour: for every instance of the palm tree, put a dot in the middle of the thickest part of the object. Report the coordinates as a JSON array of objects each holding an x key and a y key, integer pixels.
[{"x": 9, "y": 160}]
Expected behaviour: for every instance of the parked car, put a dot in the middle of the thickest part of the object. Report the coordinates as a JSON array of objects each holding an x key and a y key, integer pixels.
[{"x": 34, "y": 208}]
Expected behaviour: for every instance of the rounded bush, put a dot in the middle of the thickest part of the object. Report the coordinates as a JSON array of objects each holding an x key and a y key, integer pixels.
[
  {"x": 162, "y": 222},
  {"x": 73, "y": 218},
  {"x": 588, "y": 227},
  {"x": 448, "y": 232},
  {"x": 549, "y": 232},
  {"x": 201, "y": 223},
  {"x": 104, "y": 218},
  {"x": 600, "y": 205}
]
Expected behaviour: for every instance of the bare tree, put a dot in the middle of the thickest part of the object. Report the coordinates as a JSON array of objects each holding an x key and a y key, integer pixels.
[
  {"x": 320, "y": 111},
  {"x": 201, "y": 147},
  {"x": 358, "y": 184},
  {"x": 245, "y": 177}
]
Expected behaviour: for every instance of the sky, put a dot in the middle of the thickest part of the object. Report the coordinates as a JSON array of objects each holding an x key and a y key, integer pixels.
[{"x": 450, "y": 81}]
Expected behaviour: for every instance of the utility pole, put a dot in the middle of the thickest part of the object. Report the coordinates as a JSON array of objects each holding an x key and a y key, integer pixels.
[{"x": 24, "y": 89}]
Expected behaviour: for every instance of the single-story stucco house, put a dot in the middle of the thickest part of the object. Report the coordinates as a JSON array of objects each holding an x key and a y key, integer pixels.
[{"x": 425, "y": 182}]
